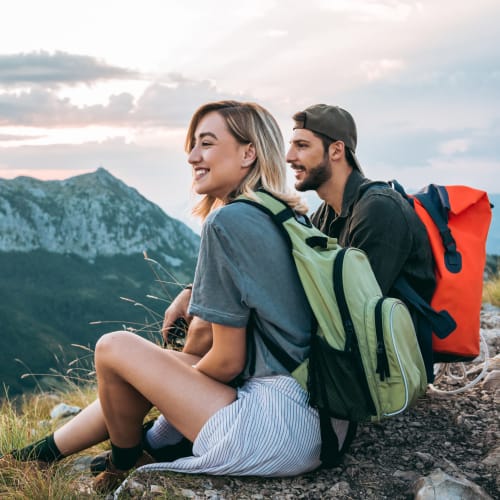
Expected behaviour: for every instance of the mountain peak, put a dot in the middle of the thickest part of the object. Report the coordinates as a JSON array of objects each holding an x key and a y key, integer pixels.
[{"x": 89, "y": 215}]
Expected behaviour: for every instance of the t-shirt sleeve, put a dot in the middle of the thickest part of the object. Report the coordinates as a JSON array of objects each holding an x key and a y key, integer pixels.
[
  {"x": 379, "y": 227},
  {"x": 219, "y": 286}
]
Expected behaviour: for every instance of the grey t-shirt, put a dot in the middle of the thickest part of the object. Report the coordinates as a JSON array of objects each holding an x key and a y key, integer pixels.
[{"x": 245, "y": 265}]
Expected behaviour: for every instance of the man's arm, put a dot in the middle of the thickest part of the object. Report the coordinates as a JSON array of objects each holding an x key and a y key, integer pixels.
[{"x": 380, "y": 228}]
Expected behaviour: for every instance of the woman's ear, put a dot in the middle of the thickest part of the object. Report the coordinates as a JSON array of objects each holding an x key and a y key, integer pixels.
[{"x": 249, "y": 155}]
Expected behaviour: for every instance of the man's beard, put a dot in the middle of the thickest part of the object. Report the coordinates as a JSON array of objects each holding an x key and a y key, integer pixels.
[{"x": 316, "y": 177}]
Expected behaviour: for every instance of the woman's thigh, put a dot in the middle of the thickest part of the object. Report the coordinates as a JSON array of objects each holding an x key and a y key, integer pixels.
[{"x": 186, "y": 397}]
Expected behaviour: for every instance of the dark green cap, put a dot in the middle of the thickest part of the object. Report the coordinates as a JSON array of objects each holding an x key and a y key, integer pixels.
[{"x": 331, "y": 121}]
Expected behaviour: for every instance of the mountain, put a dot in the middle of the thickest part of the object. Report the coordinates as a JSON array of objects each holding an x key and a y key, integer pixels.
[
  {"x": 493, "y": 242},
  {"x": 68, "y": 251}
]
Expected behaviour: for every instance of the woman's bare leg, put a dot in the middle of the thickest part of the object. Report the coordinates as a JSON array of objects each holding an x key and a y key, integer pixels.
[
  {"x": 134, "y": 374},
  {"x": 88, "y": 428},
  {"x": 83, "y": 431}
]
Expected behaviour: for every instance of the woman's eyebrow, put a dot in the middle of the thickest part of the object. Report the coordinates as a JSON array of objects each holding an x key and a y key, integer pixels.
[{"x": 205, "y": 134}]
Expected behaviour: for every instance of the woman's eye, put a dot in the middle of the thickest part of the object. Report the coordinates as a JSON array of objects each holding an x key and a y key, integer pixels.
[{"x": 205, "y": 143}]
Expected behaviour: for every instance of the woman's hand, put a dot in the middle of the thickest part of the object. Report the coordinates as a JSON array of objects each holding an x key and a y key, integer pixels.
[{"x": 177, "y": 309}]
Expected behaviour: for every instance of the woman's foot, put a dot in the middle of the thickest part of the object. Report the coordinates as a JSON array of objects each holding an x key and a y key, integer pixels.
[
  {"x": 167, "y": 453},
  {"x": 111, "y": 477}
]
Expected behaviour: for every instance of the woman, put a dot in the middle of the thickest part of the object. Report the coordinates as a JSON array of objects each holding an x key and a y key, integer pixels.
[{"x": 245, "y": 274}]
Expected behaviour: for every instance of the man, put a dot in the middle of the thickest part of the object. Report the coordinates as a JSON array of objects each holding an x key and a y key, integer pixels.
[
  {"x": 360, "y": 213},
  {"x": 376, "y": 219}
]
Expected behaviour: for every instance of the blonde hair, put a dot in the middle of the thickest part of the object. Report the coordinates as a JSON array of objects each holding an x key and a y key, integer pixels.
[{"x": 249, "y": 123}]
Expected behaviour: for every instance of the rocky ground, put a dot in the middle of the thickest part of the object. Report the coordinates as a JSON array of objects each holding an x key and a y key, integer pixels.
[{"x": 457, "y": 434}]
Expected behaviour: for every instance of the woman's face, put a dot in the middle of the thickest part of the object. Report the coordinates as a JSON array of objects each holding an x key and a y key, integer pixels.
[{"x": 219, "y": 161}]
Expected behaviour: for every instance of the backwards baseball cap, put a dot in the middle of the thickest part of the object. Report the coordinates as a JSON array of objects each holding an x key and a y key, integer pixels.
[{"x": 331, "y": 121}]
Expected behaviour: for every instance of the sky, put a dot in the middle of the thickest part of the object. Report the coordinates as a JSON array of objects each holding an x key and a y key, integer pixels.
[{"x": 108, "y": 83}]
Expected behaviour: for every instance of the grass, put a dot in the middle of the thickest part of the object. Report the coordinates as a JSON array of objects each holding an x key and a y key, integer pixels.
[
  {"x": 26, "y": 418},
  {"x": 491, "y": 291}
]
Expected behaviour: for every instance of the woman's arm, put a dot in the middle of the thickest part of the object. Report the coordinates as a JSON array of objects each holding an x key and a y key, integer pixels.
[
  {"x": 226, "y": 358},
  {"x": 199, "y": 337}
]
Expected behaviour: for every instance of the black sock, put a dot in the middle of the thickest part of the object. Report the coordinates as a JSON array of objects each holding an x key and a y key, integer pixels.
[
  {"x": 45, "y": 450},
  {"x": 125, "y": 458}
]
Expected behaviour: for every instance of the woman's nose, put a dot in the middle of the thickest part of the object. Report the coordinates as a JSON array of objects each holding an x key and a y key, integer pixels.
[{"x": 194, "y": 156}]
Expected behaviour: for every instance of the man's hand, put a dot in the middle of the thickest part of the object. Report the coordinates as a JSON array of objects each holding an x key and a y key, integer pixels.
[{"x": 177, "y": 309}]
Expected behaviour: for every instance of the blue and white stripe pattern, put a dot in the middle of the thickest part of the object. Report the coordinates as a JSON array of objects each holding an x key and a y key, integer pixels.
[{"x": 270, "y": 430}]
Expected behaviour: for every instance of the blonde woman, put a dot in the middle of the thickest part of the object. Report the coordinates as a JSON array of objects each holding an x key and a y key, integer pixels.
[{"x": 245, "y": 273}]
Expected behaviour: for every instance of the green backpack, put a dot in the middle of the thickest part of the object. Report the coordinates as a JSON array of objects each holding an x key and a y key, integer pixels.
[{"x": 364, "y": 362}]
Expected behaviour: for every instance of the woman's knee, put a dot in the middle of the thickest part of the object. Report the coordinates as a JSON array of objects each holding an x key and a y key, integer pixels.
[{"x": 112, "y": 345}]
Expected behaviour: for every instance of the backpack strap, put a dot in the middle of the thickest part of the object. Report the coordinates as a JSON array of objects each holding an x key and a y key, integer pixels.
[
  {"x": 441, "y": 321},
  {"x": 330, "y": 455},
  {"x": 437, "y": 204}
]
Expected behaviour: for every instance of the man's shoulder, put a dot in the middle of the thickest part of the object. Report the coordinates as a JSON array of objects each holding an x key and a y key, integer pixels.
[{"x": 381, "y": 194}]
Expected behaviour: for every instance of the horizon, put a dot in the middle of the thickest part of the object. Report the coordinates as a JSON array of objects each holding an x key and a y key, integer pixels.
[{"x": 493, "y": 240}]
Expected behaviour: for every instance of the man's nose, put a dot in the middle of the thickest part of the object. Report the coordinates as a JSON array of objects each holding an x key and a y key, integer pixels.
[{"x": 290, "y": 155}]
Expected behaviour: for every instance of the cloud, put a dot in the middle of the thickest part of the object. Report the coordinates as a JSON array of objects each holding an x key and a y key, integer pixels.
[
  {"x": 56, "y": 69},
  {"x": 173, "y": 102},
  {"x": 43, "y": 108},
  {"x": 380, "y": 69},
  {"x": 167, "y": 103},
  {"x": 454, "y": 146},
  {"x": 18, "y": 137}
]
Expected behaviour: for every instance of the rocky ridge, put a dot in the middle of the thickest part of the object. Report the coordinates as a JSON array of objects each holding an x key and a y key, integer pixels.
[{"x": 88, "y": 215}]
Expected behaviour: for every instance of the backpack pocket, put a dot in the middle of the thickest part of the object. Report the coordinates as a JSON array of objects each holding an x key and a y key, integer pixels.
[
  {"x": 337, "y": 382},
  {"x": 394, "y": 357}
]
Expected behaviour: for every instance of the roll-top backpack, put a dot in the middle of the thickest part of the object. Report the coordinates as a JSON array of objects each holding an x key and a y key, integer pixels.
[
  {"x": 364, "y": 362},
  {"x": 457, "y": 220}
]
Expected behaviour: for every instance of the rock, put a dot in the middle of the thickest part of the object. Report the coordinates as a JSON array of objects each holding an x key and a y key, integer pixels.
[
  {"x": 440, "y": 486},
  {"x": 406, "y": 475},
  {"x": 494, "y": 363},
  {"x": 492, "y": 381},
  {"x": 82, "y": 463},
  {"x": 340, "y": 488},
  {"x": 63, "y": 410},
  {"x": 493, "y": 458}
]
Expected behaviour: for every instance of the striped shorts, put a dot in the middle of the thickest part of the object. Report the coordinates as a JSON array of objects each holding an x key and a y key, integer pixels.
[{"x": 269, "y": 430}]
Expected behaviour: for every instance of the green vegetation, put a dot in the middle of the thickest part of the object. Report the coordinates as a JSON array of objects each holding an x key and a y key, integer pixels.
[
  {"x": 491, "y": 287},
  {"x": 25, "y": 419},
  {"x": 491, "y": 291},
  {"x": 49, "y": 302}
]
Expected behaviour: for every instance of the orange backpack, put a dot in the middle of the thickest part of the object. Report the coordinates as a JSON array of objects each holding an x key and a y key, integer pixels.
[{"x": 457, "y": 219}]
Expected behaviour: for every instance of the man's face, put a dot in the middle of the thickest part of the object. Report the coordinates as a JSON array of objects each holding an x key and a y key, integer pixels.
[{"x": 308, "y": 159}]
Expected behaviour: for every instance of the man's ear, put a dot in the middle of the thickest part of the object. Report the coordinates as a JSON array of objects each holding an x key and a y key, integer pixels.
[
  {"x": 249, "y": 155},
  {"x": 336, "y": 151}
]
